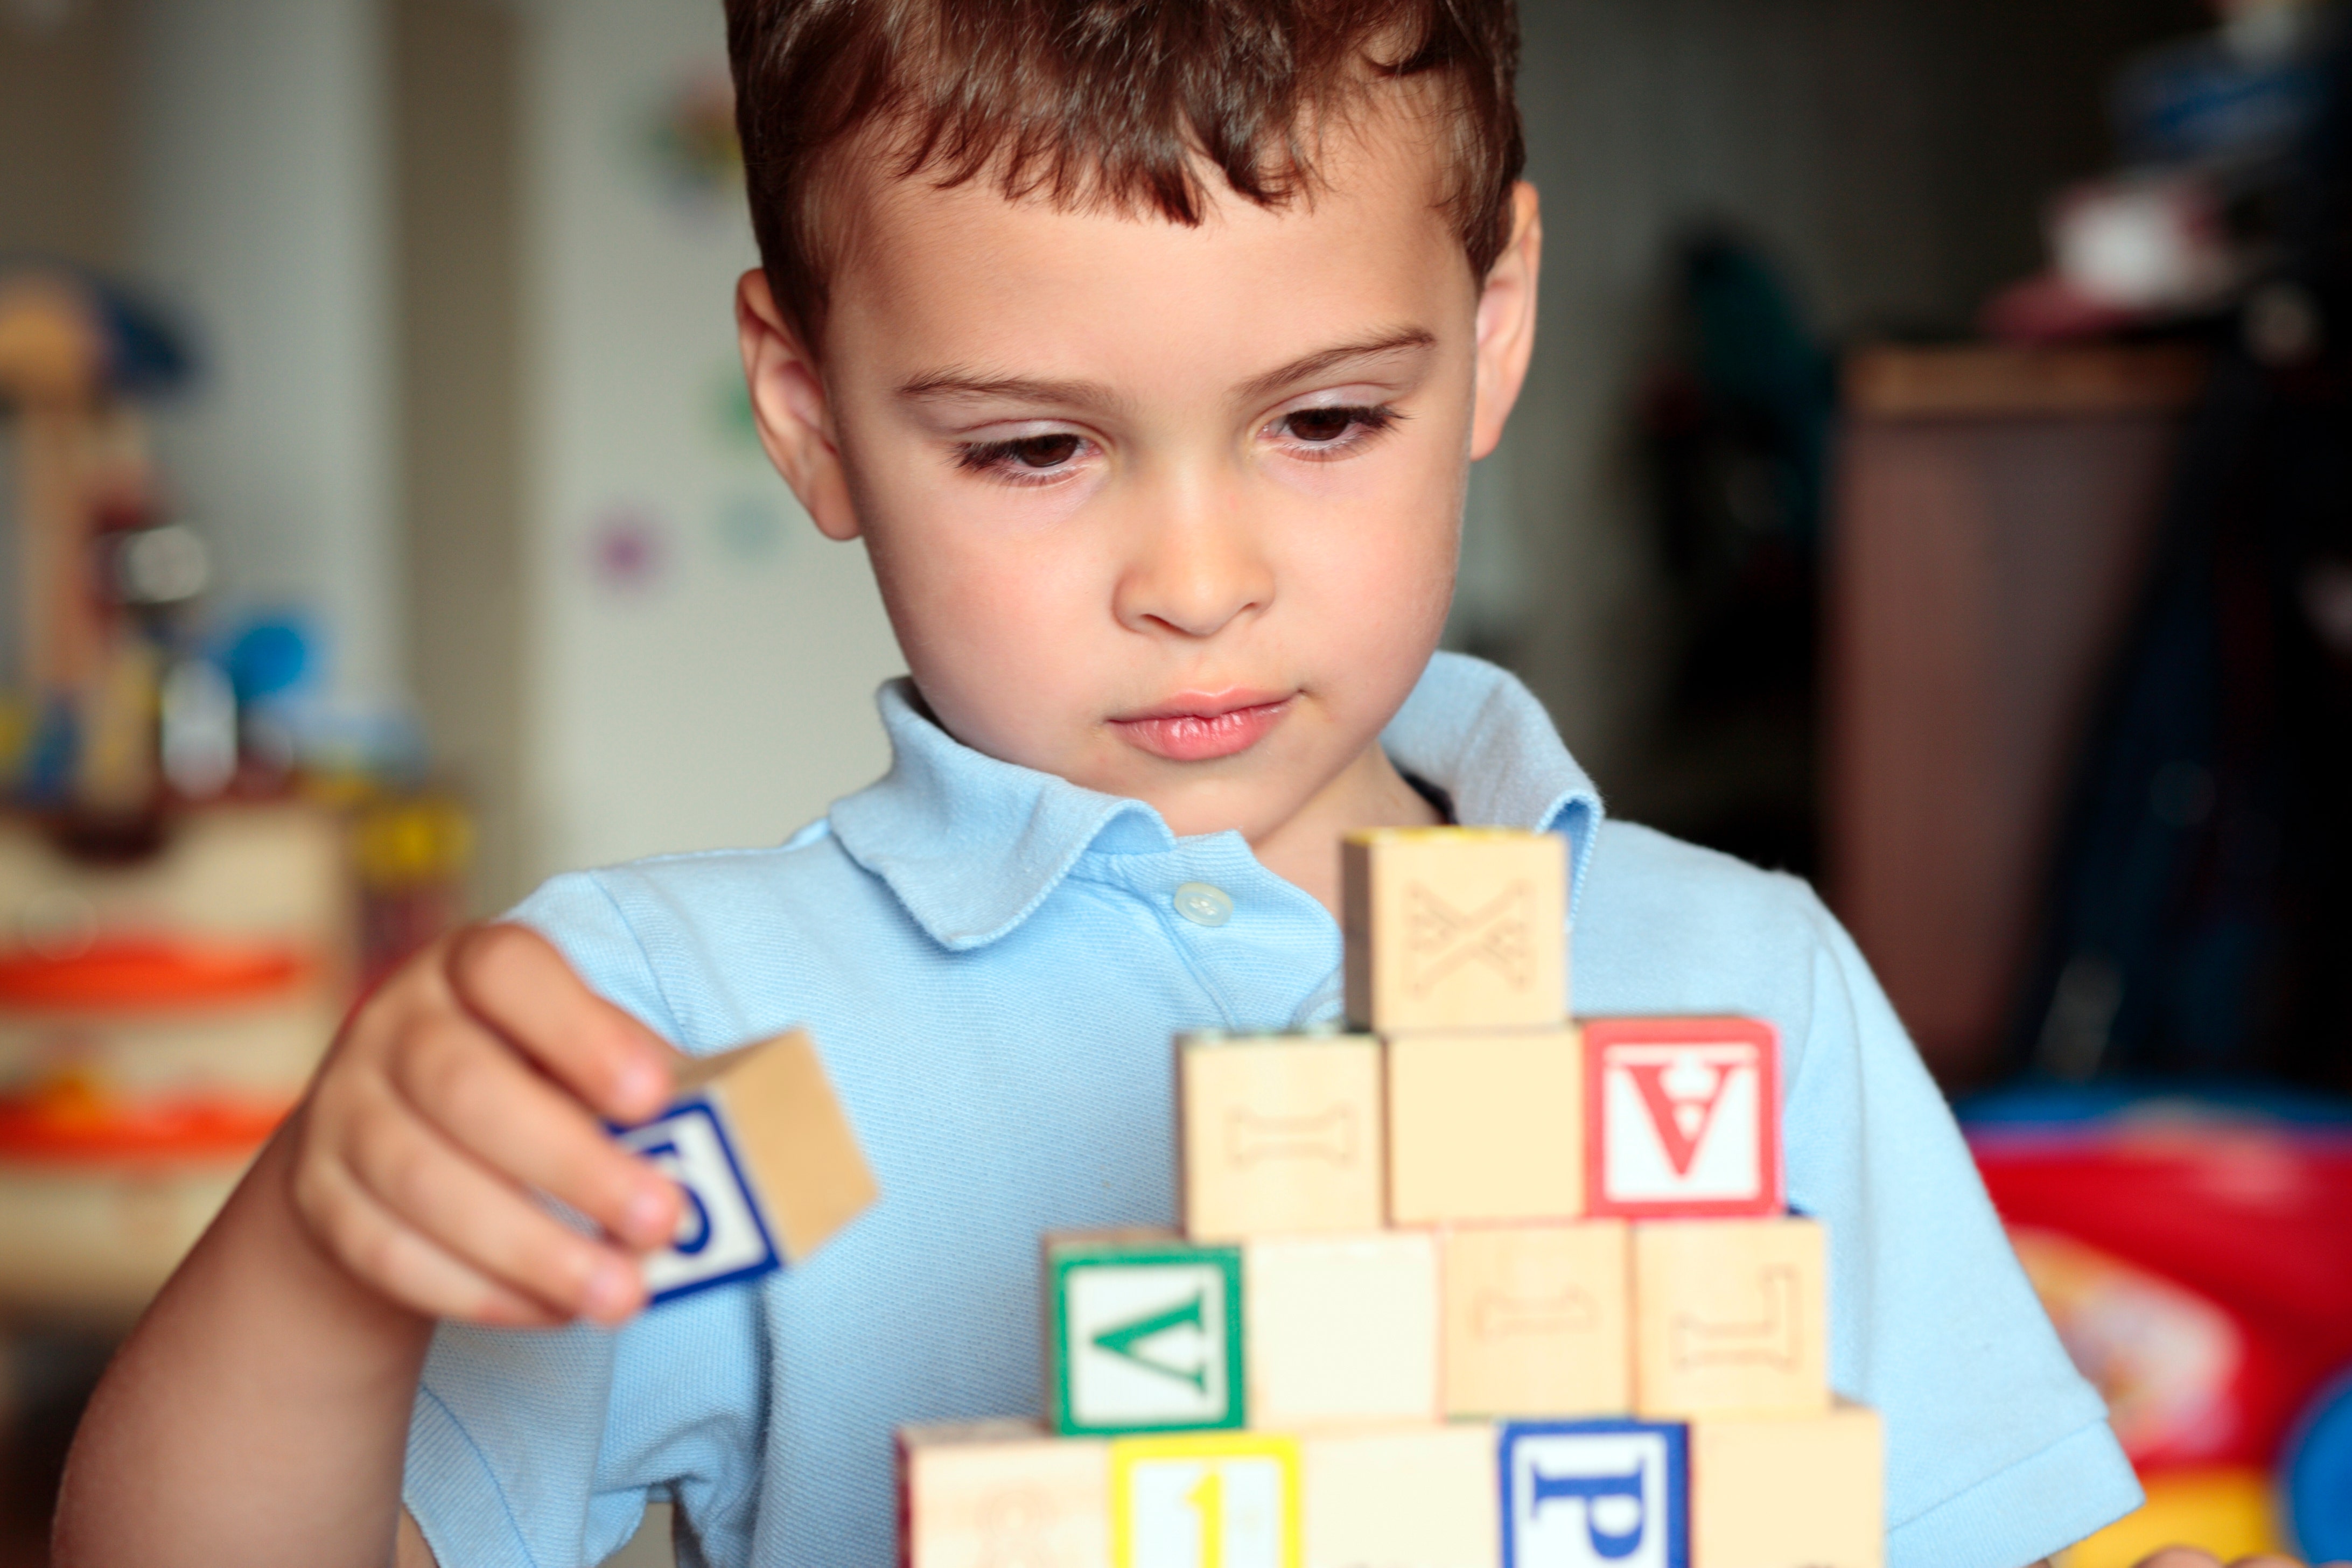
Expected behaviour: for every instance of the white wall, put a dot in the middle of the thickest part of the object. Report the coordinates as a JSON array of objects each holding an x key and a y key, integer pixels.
[
  {"x": 262, "y": 197},
  {"x": 727, "y": 699}
]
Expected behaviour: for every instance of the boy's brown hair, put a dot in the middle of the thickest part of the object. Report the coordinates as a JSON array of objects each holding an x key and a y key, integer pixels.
[{"x": 1111, "y": 102}]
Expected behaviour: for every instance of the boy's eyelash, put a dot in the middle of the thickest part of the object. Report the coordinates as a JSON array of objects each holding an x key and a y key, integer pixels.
[{"x": 1363, "y": 422}]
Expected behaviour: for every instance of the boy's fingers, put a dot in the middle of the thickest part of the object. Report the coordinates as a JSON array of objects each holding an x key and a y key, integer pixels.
[
  {"x": 374, "y": 1246},
  {"x": 428, "y": 1184},
  {"x": 484, "y": 1100},
  {"x": 514, "y": 980}
]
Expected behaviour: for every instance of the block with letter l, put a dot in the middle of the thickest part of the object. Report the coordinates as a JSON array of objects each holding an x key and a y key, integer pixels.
[
  {"x": 1730, "y": 1316},
  {"x": 1595, "y": 1494},
  {"x": 765, "y": 1158},
  {"x": 1144, "y": 1333}
]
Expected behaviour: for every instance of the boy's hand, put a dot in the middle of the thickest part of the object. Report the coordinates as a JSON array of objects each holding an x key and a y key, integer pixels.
[{"x": 472, "y": 1080}]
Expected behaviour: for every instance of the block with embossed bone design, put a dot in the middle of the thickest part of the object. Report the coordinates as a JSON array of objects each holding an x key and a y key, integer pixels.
[
  {"x": 1280, "y": 1134},
  {"x": 1537, "y": 1320}
]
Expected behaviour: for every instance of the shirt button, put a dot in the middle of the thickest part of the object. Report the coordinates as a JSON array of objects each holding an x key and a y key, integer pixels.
[{"x": 1204, "y": 905}]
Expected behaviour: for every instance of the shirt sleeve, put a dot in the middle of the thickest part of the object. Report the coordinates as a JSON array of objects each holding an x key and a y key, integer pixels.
[
  {"x": 540, "y": 1448},
  {"x": 1998, "y": 1452}
]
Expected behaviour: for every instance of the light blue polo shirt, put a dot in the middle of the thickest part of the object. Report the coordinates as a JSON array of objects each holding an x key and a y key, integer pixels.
[{"x": 993, "y": 961}]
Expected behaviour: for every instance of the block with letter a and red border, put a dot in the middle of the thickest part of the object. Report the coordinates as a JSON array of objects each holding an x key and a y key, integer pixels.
[{"x": 1683, "y": 1118}]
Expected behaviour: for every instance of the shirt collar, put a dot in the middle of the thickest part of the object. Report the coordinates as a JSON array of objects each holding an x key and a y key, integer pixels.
[{"x": 972, "y": 846}]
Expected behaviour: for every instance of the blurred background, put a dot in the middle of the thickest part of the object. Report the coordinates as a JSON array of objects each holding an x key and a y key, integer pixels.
[{"x": 1935, "y": 481}]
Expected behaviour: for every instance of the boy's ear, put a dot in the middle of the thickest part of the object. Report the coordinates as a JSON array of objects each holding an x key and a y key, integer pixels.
[
  {"x": 789, "y": 406},
  {"x": 1507, "y": 323}
]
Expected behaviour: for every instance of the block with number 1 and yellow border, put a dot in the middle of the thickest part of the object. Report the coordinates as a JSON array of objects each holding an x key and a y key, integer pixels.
[{"x": 1213, "y": 1500}]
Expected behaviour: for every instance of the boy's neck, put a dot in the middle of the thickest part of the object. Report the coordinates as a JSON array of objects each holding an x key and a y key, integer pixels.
[{"x": 1371, "y": 793}]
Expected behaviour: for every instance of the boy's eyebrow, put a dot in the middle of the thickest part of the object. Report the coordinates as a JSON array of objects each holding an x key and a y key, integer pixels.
[
  {"x": 1324, "y": 361},
  {"x": 956, "y": 384},
  {"x": 949, "y": 386}
]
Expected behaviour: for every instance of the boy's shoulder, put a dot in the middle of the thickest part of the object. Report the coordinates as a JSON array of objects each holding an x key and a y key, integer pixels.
[
  {"x": 685, "y": 939},
  {"x": 1664, "y": 925}
]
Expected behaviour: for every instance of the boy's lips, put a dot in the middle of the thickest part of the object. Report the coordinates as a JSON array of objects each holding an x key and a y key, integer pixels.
[{"x": 1196, "y": 727}]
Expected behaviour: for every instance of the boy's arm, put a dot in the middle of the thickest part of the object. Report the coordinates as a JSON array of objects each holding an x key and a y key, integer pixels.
[{"x": 260, "y": 1410}]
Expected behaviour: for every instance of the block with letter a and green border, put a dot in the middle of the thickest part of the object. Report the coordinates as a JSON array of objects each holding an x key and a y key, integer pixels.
[{"x": 1143, "y": 1334}]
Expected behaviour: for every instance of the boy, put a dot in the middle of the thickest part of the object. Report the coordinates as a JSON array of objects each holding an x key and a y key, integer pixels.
[{"x": 1146, "y": 345}]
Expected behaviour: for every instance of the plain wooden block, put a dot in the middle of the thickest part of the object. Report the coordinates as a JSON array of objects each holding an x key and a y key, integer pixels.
[
  {"x": 1537, "y": 1320},
  {"x": 1341, "y": 1329},
  {"x": 1685, "y": 1117},
  {"x": 1143, "y": 1334},
  {"x": 1420, "y": 1497},
  {"x": 1486, "y": 1126},
  {"x": 1280, "y": 1134},
  {"x": 999, "y": 1492},
  {"x": 1730, "y": 1316},
  {"x": 1455, "y": 928},
  {"x": 1208, "y": 1502},
  {"x": 768, "y": 1161},
  {"x": 1595, "y": 1494},
  {"x": 1787, "y": 1491}
]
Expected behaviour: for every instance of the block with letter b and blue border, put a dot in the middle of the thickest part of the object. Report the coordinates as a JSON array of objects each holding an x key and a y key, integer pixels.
[
  {"x": 720, "y": 1237},
  {"x": 1143, "y": 1334},
  {"x": 1595, "y": 1494},
  {"x": 766, "y": 1159}
]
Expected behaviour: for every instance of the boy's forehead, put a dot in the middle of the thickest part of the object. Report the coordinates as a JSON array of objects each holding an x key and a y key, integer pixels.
[{"x": 921, "y": 260}]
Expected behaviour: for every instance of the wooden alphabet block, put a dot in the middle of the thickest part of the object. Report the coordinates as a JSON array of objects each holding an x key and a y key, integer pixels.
[
  {"x": 1281, "y": 1134},
  {"x": 998, "y": 1492},
  {"x": 1787, "y": 1491},
  {"x": 1595, "y": 1494},
  {"x": 1537, "y": 1320},
  {"x": 1419, "y": 1497},
  {"x": 1455, "y": 928},
  {"x": 768, "y": 1162},
  {"x": 1730, "y": 1316},
  {"x": 1228, "y": 1501},
  {"x": 1685, "y": 1117},
  {"x": 1485, "y": 1127},
  {"x": 1143, "y": 1334},
  {"x": 1341, "y": 1329}
]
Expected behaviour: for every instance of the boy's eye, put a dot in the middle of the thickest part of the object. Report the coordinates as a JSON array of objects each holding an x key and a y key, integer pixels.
[
  {"x": 1042, "y": 451},
  {"x": 1333, "y": 427},
  {"x": 1024, "y": 454}
]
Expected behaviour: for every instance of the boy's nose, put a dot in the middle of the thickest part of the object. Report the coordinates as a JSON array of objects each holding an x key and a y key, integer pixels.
[{"x": 1196, "y": 566}]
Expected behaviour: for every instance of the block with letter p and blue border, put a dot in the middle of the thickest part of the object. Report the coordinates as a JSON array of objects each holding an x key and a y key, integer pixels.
[{"x": 1595, "y": 1494}]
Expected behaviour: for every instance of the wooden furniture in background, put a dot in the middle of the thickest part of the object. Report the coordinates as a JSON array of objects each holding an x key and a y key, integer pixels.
[{"x": 1995, "y": 509}]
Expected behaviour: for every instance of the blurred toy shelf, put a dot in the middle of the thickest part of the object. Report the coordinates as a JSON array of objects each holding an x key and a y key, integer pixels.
[
  {"x": 158, "y": 1017},
  {"x": 201, "y": 862}
]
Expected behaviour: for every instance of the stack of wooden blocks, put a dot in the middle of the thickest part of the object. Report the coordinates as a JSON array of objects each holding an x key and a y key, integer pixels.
[{"x": 1476, "y": 1285}]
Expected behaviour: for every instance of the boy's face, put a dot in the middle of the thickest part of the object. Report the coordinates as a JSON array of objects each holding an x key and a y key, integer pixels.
[{"x": 1171, "y": 512}]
